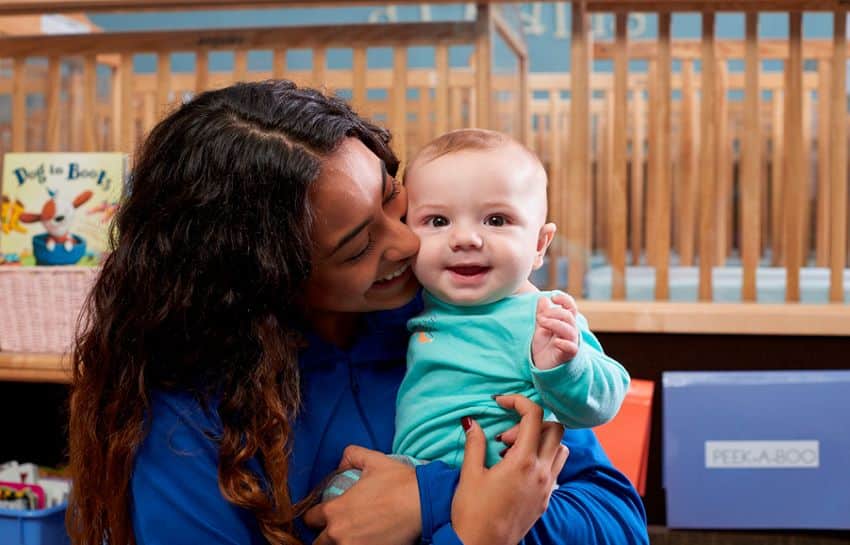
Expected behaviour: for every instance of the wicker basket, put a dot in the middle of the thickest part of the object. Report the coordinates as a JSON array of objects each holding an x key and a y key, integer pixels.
[{"x": 40, "y": 306}]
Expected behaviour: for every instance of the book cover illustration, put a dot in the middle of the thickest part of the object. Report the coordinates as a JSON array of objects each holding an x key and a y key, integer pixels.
[{"x": 56, "y": 207}]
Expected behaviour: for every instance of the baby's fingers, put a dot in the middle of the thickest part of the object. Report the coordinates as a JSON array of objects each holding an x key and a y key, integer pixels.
[
  {"x": 558, "y": 313},
  {"x": 566, "y": 301},
  {"x": 542, "y": 307},
  {"x": 558, "y": 328},
  {"x": 568, "y": 348}
]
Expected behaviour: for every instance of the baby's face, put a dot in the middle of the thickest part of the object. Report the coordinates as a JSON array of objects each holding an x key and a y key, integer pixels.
[{"x": 479, "y": 215}]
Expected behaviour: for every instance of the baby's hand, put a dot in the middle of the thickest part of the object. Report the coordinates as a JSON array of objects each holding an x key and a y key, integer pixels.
[{"x": 555, "y": 339}]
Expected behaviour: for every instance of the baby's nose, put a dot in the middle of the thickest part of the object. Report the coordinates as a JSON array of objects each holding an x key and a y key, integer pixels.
[{"x": 466, "y": 239}]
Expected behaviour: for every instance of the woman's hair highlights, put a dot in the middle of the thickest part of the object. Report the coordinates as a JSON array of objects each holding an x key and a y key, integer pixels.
[{"x": 210, "y": 247}]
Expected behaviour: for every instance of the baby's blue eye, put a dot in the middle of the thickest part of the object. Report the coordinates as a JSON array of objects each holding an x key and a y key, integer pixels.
[
  {"x": 438, "y": 221},
  {"x": 495, "y": 221}
]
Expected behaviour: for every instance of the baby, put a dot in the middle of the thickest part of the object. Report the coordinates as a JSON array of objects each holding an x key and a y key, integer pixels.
[{"x": 477, "y": 201}]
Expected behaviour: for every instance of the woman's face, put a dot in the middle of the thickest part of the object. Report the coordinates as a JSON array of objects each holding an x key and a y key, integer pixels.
[{"x": 362, "y": 248}]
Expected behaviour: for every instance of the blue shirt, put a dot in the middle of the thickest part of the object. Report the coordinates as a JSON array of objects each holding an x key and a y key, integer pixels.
[{"x": 349, "y": 398}]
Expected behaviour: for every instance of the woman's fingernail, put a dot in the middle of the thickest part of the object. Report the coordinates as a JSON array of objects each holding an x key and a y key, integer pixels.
[
  {"x": 466, "y": 422},
  {"x": 499, "y": 437},
  {"x": 494, "y": 396}
]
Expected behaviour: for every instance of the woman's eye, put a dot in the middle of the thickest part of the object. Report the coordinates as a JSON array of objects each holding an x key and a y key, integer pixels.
[
  {"x": 438, "y": 221},
  {"x": 495, "y": 221}
]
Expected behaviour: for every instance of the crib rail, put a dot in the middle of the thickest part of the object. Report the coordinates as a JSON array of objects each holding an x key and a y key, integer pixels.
[{"x": 689, "y": 164}]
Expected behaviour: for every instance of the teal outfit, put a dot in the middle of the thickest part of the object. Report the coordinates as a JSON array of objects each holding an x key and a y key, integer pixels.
[{"x": 460, "y": 356}]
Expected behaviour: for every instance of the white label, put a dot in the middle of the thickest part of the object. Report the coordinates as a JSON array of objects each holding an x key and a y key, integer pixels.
[{"x": 762, "y": 454}]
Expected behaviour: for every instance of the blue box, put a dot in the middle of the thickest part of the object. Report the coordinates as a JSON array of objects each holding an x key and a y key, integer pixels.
[
  {"x": 748, "y": 450},
  {"x": 41, "y": 527}
]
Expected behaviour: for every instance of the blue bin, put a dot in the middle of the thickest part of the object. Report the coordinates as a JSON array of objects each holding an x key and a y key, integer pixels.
[{"x": 37, "y": 527}]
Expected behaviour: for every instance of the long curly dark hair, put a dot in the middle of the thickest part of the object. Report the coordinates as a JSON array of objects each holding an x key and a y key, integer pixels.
[{"x": 210, "y": 247}]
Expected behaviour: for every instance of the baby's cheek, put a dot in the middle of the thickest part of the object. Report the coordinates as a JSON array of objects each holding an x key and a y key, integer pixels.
[{"x": 425, "y": 265}]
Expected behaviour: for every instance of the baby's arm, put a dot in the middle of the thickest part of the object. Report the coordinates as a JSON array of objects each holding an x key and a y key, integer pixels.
[{"x": 581, "y": 385}]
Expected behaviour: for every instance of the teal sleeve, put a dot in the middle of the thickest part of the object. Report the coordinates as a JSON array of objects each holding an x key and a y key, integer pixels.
[{"x": 586, "y": 391}]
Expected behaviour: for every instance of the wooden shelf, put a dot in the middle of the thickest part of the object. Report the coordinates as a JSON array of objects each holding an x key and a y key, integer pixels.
[
  {"x": 24, "y": 367},
  {"x": 717, "y": 318}
]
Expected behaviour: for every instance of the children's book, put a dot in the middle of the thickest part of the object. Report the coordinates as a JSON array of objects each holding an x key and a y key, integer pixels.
[{"x": 57, "y": 207}]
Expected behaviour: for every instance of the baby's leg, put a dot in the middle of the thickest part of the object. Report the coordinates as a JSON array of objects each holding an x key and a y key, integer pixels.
[{"x": 344, "y": 480}]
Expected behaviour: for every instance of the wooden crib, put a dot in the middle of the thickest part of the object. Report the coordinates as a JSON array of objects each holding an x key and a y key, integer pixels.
[{"x": 675, "y": 176}]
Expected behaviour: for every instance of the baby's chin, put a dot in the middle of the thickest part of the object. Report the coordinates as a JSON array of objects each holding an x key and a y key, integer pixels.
[{"x": 470, "y": 299}]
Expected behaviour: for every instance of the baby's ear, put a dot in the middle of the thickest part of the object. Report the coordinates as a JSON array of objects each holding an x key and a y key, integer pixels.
[{"x": 544, "y": 239}]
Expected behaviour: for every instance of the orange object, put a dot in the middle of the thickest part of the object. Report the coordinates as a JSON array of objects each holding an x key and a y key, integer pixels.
[{"x": 625, "y": 439}]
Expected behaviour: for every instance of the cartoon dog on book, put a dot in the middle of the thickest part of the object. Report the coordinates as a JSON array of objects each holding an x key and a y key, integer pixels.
[{"x": 57, "y": 217}]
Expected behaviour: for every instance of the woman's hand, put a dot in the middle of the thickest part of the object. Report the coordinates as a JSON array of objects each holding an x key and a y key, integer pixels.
[
  {"x": 382, "y": 508},
  {"x": 499, "y": 505}
]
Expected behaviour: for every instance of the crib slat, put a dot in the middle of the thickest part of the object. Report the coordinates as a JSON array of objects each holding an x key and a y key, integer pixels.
[
  {"x": 90, "y": 117},
  {"x": 808, "y": 182},
  {"x": 556, "y": 185},
  {"x": 794, "y": 161},
  {"x": 524, "y": 112},
  {"x": 113, "y": 142},
  {"x": 689, "y": 186},
  {"x": 637, "y": 178},
  {"x": 823, "y": 150},
  {"x": 202, "y": 70},
  {"x": 54, "y": 83},
  {"x": 618, "y": 213},
  {"x": 708, "y": 161},
  {"x": 483, "y": 78},
  {"x": 423, "y": 117},
  {"x": 240, "y": 65},
  {"x": 358, "y": 74},
  {"x": 398, "y": 109},
  {"x": 279, "y": 62},
  {"x": 163, "y": 83},
  {"x": 663, "y": 164},
  {"x": 320, "y": 62},
  {"x": 75, "y": 134},
  {"x": 724, "y": 180},
  {"x": 149, "y": 114},
  {"x": 441, "y": 96},
  {"x": 126, "y": 134},
  {"x": 19, "y": 105},
  {"x": 651, "y": 217},
  {"x": 579, "y": 167},
  {"x": 838, "y": 166},
  {"x": 777, "y": 181},
  {"x": 599, "y": 179},
  {"x": 457, "y": 108},
  {"x": 750, "y": 179}
]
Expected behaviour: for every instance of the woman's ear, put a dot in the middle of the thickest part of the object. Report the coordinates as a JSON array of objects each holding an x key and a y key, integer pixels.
[{"x": 544, "y": 239}]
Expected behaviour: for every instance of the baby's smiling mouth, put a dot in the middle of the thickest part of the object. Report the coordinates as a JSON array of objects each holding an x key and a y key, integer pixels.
[{"x": 468, "y": 270}]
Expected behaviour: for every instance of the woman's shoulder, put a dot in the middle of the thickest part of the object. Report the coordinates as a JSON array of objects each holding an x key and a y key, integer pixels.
[
  {"x": 177, "y": 424},
  {"x": 174, "y": 484}
]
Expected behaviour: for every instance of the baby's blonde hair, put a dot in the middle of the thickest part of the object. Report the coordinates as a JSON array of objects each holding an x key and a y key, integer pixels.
[{"x": 467, "y": 139}]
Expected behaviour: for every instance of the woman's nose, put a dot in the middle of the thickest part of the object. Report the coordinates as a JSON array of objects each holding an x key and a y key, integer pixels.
[{"x": 465, "y": 238}]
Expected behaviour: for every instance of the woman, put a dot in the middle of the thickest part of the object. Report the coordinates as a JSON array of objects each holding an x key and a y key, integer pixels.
[{"x": 250, "y": 325}]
